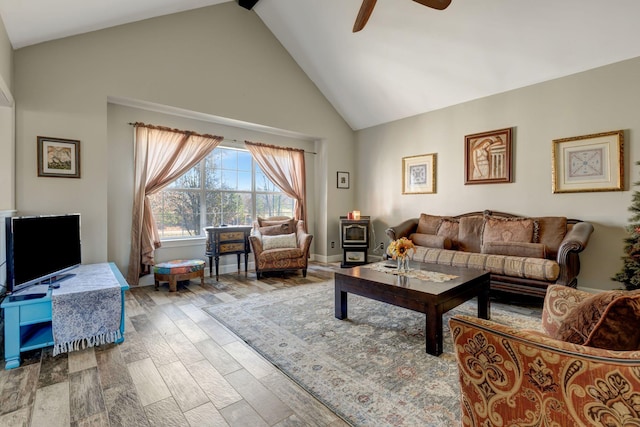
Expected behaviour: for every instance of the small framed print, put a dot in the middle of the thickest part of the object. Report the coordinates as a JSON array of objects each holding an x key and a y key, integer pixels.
[
  {"x": 487, "y": 157},
  {"x": 343, "y": 179},
  {"x": 588, "y": 163},
  {"x": 419, "y": 174},
  {"x": 58, "y": 157}
]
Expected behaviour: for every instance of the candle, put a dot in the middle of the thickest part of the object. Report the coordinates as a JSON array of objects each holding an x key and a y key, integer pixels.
[{"x": 356, "y": 214}]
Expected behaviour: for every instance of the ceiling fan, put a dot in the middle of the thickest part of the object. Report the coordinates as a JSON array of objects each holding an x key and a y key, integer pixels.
[{"x": 368, "y": 5}]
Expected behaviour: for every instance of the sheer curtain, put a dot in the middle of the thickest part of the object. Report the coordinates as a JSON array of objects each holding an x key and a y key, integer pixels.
[
  {"x": 285, "y": 167},
  {"x": 161, "y": 155}
]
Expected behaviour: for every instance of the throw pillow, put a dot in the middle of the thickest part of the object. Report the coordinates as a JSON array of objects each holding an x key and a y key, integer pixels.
[
  {"x": 428, "y": 224},
  {"x": 280, "y": 241},
  {"x": 606, "y": 320},
  {"x": 470, "y": 233},
  {"x": 430, "y": 241},
  {"x": 288, "y": 224},
  {"x": 521, "y": 249},
  {"x": 274, "y": 230},
  {"x": 580, "y": 322},
  {"x": 618, "y": 327},
  {"x": 551, "y": 233},
  {"x": 509, "y": 230},
  {"x": 449, "y": 229}
]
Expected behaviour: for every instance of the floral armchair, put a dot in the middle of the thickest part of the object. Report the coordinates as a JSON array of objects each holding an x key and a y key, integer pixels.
[
  {"x": 280, "y": 244},
  {"x": 511, "y": 377}
]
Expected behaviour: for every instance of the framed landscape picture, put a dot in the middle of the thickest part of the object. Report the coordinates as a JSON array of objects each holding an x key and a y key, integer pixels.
[
  {"x": 58, "y": 157},
  {"x": 487, "y": 157},
  {"x": 419, "y": 174},
  {"x": 588, "y": 163}
]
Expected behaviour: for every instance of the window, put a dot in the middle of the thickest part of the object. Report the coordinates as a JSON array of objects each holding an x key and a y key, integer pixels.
[{"x": 228, "y": 187}]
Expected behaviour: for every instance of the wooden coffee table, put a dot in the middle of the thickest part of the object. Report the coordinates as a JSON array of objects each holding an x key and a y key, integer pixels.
[{"x": 431, "y": 298}]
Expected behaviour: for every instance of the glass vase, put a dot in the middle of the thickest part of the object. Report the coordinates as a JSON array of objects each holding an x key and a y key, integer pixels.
[{"x": 403, "y": 264}]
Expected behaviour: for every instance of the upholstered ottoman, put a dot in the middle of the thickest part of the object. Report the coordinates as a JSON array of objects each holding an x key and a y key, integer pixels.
[{"x": 177, "y": 270}]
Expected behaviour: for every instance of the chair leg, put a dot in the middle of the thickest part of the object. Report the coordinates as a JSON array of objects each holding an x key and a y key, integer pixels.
[{"x": 304, "y": 272}]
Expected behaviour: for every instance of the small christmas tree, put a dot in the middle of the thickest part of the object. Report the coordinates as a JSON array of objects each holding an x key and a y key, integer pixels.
[{"x": 630, "y": 273}]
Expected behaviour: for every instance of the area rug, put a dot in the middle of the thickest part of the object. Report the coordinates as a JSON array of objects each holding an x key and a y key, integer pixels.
[{"x": 370, "y": 369}]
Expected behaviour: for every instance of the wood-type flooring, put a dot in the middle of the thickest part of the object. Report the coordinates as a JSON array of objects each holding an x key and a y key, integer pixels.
[{"x": 177, "y": 367}]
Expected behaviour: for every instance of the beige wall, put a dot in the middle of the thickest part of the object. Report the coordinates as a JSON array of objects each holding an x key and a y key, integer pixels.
[
  {"x": 6, "y": 57},
  {"x": 604, "y": 99},
  {"x": 7, "y": 145},
  {"x": 219, "y": 60},
  {"x": 7, "y": 138}
]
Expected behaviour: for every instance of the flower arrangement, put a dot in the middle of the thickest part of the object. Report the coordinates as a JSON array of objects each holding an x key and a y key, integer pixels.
[{"x": 400, "y": 248}]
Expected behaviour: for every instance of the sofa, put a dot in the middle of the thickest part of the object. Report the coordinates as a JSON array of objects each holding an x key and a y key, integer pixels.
[
  {"x": 523, "y": 254},
  {"x": 280, "y": 244},
  {"x": 580, "y": 368}
]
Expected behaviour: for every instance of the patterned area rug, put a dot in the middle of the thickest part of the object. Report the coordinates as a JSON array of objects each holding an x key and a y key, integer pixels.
[{"x": 371, "y": 369}]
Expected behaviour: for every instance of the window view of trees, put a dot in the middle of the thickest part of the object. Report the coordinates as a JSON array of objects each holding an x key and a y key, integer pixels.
[{"x": 228, "y": 187}]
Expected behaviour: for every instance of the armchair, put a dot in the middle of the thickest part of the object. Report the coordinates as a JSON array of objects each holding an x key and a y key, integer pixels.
[
  {"x": 527, "y": 377},
  {"x": 280, "y": 244}
]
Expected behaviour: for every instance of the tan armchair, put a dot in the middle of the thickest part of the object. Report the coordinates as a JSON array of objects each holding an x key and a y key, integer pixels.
[
  {"x": 514, "y": 377},
  {"x": 280, "y": 244}
]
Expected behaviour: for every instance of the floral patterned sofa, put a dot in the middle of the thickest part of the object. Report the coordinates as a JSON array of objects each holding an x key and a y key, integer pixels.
[
  {"x": 523, "y": 254},
  {"x": 581, "y": 369},
  {"x": 280, "y": 244}
]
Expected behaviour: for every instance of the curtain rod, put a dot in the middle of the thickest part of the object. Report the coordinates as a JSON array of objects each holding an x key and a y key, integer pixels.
[{"x": 185, "y": 131}]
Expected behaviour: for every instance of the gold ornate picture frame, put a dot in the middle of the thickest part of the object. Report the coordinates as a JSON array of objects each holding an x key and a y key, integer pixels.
[
  {"x": 58, "y": 157},
  {"x": 419, "y": 174},
  {"x": 487, "y": 157},
  {"x": 588, "y": 163}
]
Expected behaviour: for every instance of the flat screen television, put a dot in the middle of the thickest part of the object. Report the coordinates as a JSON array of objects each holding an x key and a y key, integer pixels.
[{"x": 41, "y": 248}]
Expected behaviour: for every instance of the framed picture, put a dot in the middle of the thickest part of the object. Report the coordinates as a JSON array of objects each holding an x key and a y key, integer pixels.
[
  {"x": 58, "y": 157},
  {"x": 419, "y": 174},
  {"x": 343, "y": 179},
  {"x": 487, "y": 157},
  {"x": 588, "y": 163}
]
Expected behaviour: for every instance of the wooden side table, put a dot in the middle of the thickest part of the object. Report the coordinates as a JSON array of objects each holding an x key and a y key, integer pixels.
[{"x": 227, "y": 240}]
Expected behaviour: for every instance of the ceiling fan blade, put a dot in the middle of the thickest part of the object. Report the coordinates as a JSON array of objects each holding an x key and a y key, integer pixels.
[
  {"x": 436, "y": 4},
  {"x": 364, "y": 14}
]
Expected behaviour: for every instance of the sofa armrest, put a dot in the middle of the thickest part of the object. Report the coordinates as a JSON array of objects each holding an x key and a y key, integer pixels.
[
  {"x": 402, "y": 230},
  {"x": 256, "y": 245},
  {"x": 520, "y": 377},
  {"x": 304, "y": 242},
  {"x": 574, "y": 242}
]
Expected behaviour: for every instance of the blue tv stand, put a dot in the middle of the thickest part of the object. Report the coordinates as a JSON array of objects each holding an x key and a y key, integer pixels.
[{"x": 27, "y": 323}]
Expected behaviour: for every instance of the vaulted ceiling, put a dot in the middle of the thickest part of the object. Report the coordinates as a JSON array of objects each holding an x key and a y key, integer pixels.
[{"x": 409, "y": 59}]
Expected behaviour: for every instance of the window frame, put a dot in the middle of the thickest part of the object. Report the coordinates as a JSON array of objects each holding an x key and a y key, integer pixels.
[{"x": 202, "y": 191}]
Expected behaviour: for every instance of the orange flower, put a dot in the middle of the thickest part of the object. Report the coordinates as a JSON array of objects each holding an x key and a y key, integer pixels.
[{"x": 400, "y": 248}]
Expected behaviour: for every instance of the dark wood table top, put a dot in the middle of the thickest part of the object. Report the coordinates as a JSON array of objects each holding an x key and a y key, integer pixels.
[{"x": 464, "y": 275}]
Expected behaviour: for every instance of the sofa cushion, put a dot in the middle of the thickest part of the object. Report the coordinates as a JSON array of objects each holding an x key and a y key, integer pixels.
[
  {"x": 280, "y": 241},
  {"x": 509, "y": 229},
  {"x": 534, "y": 250},
  {"x": 470, "y": 233},
  {"x": 428, "y": 224},
  {"x": 529, "y": 268},
  {"x": 449, "y": 229},
  {"x": 552, "y": 230},
  {"x": 605, "y": 320},
  {"x": 430, "y": 240}
]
